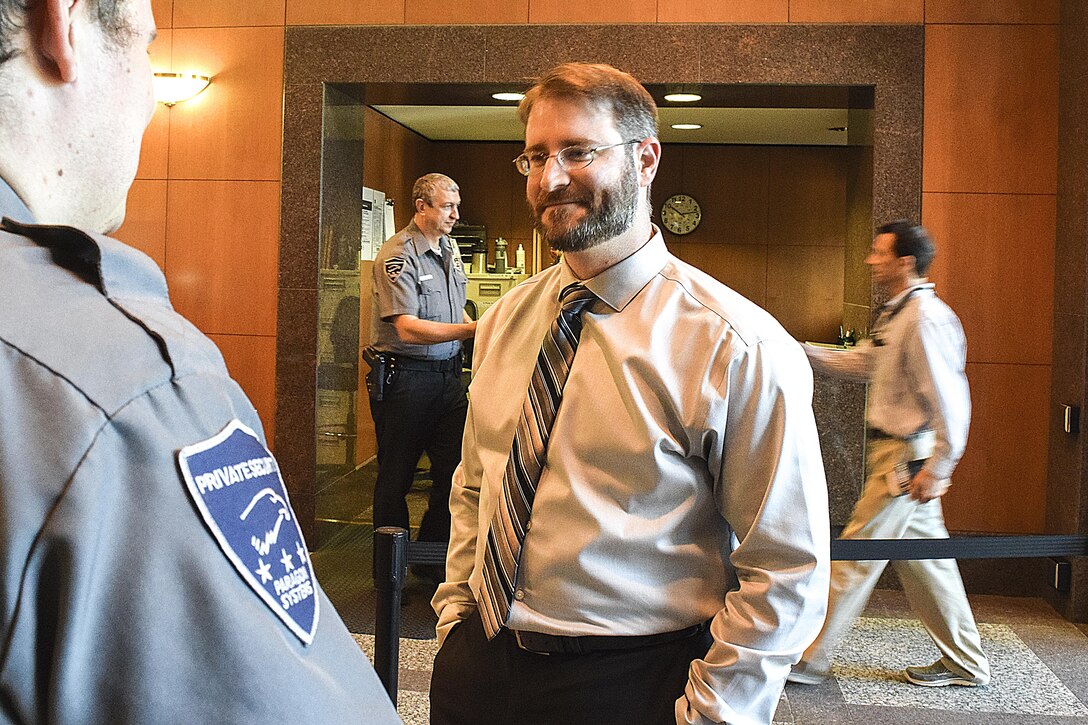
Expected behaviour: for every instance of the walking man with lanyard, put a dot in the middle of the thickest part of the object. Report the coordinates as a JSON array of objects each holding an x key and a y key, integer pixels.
[
  {"x": 416, "y": 394},
  {"x": 918, "y": 414},
  {"x": 640, "y": 528}
]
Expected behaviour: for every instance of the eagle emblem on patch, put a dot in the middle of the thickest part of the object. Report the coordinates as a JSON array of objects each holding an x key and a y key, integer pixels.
[
  {"x": 236, "y": 485},
  {"x": 393, "y": 267}
]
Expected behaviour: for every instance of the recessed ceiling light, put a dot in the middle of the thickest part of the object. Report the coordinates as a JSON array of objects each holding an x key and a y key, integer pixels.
[
  {"x": 507, "y": 96},
  {"x": 687, "y": 126},
  {"x": 683, "y": 97}
]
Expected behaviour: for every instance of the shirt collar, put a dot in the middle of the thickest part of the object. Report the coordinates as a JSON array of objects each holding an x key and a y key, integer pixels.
[
  {"x": 420, "y": 243},
  {"x": 890, "y": 304},
  {"x": 116, "y": 269},
  {"x": 12, "y": 206},
  {"x": 619, "y": 284}
]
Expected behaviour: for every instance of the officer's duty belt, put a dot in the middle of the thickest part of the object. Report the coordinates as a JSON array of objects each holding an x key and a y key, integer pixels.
[{"x": 405, "y": 362}]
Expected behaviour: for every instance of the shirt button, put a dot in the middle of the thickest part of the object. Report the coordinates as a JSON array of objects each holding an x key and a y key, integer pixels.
[
  {"x": 529, "y": 525},
  {"x": 519, "y": 594}
]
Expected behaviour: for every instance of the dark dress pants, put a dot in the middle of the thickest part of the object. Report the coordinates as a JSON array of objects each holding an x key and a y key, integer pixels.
[
  {"x": 422, "y": 410},
  {"x": 478, "y": 681}
]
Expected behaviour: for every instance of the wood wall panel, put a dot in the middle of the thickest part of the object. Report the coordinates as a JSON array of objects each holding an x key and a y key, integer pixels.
[
  {"x": 473, "y": 12},
  {"x": 204, "y": 14},
  {"x": 804, "y": 290},
  {"x": 145, "y": 219},
  {"x": 995, "y": 268},
  {"x": 163, "y": 10},
  {"x": 563, "y": 11},
  {"x": 857, "y": 11},
  {"x": 234, "y": 129},
  {"x": 393, "y": 158},
  {"x": 806, "y": 196},
  {"x": 1000, "y": 483},
  {"x": 222, "y": 254},
  {"x": 251, "y": 361},
  {"x": 733, "y": 11},
  {"x": 991, "y": 109},
  {"x": 731, "y": 185},
  {"x": 155, "y": 150},
  {"x": 345, "y": 12},
  {"x": 741, "y": 267},
  {"x": 992, "y": 11}
]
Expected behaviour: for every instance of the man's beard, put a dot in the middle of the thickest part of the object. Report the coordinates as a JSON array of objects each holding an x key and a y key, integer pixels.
[{"x": 608, "y": 215}]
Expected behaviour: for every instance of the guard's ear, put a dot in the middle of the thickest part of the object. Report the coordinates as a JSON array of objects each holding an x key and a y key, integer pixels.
[{"x": 55, "y": 37}]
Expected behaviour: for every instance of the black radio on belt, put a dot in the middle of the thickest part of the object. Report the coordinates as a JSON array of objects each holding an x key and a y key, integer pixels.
[{"x": 382, "y": 366}]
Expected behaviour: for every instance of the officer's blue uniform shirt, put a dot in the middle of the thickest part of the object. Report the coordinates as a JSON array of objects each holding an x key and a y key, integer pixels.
[
  {"x": 410, "y": 278},
  {"x": 151, "y": 568}
]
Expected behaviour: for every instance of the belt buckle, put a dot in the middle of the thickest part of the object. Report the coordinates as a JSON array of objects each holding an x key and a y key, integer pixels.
[{"x": 522, "y": 646}]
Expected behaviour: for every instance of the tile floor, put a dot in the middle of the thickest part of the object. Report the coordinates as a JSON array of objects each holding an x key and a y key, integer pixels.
[{"x": 1039, "y": 663}]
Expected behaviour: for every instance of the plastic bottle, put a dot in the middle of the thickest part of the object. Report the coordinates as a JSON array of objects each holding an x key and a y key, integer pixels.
[
  {"x": 519, "y": 259},
  {"x": 500, "y": 256}
]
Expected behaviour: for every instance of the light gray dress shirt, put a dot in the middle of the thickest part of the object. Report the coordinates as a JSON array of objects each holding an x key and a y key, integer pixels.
[
  {"x": 684, "y": 458},
  {"x": 410, "y": 278},
  {"x": 117, "y": 604},
  {"x": 914, "y": 361}
]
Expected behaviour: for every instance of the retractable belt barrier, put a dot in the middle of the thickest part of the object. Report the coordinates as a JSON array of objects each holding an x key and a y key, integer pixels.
[{"x": 393, "y": 553}]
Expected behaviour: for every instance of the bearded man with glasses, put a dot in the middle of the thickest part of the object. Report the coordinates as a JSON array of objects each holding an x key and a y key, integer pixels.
[{"x": 639, "y": 521}]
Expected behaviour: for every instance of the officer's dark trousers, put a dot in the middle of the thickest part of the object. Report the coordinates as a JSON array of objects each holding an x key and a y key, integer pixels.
[
  {"x": 423, "y": 410},
  {"x": 479, "y": 681}
]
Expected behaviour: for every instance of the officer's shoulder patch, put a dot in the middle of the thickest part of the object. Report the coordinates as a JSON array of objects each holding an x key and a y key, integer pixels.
[
  {"x": 235, "y": 483},
  {"x": 393, "y": 267}
]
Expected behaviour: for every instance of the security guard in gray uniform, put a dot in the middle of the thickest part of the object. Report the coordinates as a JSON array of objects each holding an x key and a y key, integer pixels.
[
  {"x": 151, "y": 567},
  {"x": 416, "y": 394}
]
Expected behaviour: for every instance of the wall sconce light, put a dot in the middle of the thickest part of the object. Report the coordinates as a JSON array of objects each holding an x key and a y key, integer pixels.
[{"x": 171, "y": 88}]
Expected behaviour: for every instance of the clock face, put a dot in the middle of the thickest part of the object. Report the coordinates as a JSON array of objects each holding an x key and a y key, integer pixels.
[{"x": 681, "y": 214}]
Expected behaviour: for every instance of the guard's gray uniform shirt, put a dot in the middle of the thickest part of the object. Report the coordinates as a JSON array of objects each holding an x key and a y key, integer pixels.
[
  {"x": 116, "y": 603},
  {"x": 410, "y": 278}
]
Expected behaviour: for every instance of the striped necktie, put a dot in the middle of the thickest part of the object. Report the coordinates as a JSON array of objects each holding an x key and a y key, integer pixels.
[{"x": 527, "y": 456}]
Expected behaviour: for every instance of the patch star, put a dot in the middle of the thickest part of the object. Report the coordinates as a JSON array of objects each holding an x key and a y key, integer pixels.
[
  {"x": 288, "y": 564},
  {"x": 262, "y": 571}
]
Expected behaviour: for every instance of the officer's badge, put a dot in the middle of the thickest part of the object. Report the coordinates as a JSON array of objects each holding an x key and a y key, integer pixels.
[
  {"x": 236, "y": 485},
  {"x": 393, "y": 267}
]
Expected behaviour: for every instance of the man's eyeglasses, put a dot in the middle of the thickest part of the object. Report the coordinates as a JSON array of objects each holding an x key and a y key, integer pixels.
[{"x": 570, "y": 158}]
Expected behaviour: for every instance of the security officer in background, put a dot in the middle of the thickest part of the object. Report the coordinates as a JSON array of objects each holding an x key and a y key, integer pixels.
[
  {"x": 151, "y": 567},
  {"x": 416, "y": 395}
]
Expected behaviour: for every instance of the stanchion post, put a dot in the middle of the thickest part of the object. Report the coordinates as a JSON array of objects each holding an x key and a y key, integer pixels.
[{"x": 390, "y": 571}]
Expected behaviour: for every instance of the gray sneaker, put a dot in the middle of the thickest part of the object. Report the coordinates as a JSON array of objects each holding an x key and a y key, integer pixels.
[
  {"x": 937, "y": 675},
  {"x": 802, "y": 675}
]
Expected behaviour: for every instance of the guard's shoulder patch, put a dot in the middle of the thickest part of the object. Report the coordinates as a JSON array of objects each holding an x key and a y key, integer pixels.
[
  {"x": 235, "y": 483},
  {"x": 393, "y": 267}
]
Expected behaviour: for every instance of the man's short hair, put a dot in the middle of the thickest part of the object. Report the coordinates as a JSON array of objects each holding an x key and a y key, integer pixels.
[
  {"x": 911, "y": 240},
  {"x": 426, "y": 186},
  {"x": 113, "y": 16},
  {"x": 596, "y": 84}
]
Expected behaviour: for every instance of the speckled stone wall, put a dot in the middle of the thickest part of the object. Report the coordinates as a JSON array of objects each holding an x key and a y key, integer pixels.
[
  {"x": 888, "y": 58},
  {"x": 1067, "y": 487}
]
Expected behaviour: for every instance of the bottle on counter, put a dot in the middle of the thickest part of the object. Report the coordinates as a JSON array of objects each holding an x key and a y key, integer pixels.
[
  {"x": 500, "y": 256},
  {"x": 519, "y": 259}
]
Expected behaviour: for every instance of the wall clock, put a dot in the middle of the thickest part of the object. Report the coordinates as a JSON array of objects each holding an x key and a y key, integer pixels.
[{"x": 681, "y": 214}]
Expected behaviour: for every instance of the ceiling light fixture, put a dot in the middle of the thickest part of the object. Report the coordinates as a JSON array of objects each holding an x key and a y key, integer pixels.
[
  {"x": 171, "y": 88},
  {"x": 687, "y": 126},
  {"x": 683, "y": 97},
  {"x": 507, "y": 96}
]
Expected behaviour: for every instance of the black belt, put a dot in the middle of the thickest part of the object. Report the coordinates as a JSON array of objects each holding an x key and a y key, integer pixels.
[
  {"x": 546, "y": 644},
  {"x": 416, "y": 363}
]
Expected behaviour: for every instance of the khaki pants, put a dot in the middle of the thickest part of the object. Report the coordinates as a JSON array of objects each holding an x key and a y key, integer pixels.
[{"x": 933, "y": 587}]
